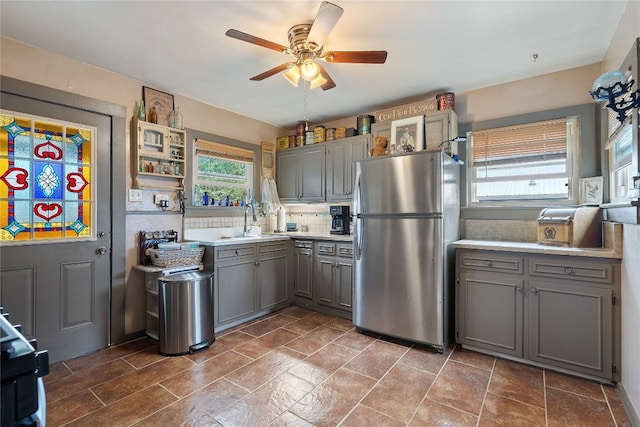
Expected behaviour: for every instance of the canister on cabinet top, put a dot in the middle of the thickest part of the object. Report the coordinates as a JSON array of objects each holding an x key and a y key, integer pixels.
[
  {"x": 301, "y": 128},
  {"x": 446, "y": 101},
  {"x": 364, "y": 124},
  {"x": 330, "y": 135},
  {"x": 309, "y": 138},
  {"x": 318, "y": 134}
]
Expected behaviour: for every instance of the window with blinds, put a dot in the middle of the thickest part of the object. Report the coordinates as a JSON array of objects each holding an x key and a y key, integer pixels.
[
  {"x": 530, "y": 161},
  {"x": 222, "y": 171},
  {"x": 620, "y": 151}
]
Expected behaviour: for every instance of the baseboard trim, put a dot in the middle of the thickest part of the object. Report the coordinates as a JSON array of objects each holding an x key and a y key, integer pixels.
[{"x": 628, "y": 406}]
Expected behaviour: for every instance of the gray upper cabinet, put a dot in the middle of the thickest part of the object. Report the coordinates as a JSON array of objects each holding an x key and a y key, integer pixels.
[
  {"x": 300, "y": 174},
  {"x": 341, "y": 155},
  {"x": 439, "y": 126},
  {"x": 559, "y": 311}
]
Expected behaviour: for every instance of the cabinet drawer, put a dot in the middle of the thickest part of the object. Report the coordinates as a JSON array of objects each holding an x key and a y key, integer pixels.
[
  {"x": 226, "y": 252},
  {"x": 489, "y": 261},
  {"x": 571, "y": 269},
  {"x": 264, "y": 248},
  {"x": 326, "y": 248},
  {"x": 302, "y": 244},
  {"x": 345, "y": 251}
]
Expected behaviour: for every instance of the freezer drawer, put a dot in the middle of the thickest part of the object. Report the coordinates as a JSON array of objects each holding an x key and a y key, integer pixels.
[{"x": 399, "y": 278}]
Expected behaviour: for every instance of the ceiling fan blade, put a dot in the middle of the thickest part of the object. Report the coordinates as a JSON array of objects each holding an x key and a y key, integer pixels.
[
  {"x": 326, "y": 19},
  {"x": 329, "y": 84},
  {"x": 255, "y": 40},
  {"x": 271, "y": 72},
  {"x": 359, "y": 57}
]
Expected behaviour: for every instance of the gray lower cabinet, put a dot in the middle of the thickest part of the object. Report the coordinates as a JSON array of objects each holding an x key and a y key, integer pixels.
[
  {"x": 249, "y": 281},
  {"x": 341, "y": 155},
  {"x": 303, "y": 269},
  {"x": 333, "y": 275},
  {"x": 234, "y": 283},
  {"x": 557, "y": 311}
]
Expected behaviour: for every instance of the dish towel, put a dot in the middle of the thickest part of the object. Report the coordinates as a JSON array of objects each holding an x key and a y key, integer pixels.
[{"x": 270, "y": 199}]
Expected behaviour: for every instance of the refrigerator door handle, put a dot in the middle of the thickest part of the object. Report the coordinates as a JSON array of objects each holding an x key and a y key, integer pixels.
[{"x": 357, "y": 207}]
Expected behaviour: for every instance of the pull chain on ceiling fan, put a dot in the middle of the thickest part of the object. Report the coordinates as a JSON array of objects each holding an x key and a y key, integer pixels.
[{"x": 305, "y": 44}]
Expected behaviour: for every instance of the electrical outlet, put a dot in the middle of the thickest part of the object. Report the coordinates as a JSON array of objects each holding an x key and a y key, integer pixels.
[
  {"x": 135, "y": 195},
  {"x": 159, "y": 198}
]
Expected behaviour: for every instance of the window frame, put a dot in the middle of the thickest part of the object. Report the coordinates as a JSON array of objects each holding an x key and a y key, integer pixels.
[
  {"x": 215, "y": 211},
  {"x": 585, "y": 160},
  {"x": 570, "y": 125}
]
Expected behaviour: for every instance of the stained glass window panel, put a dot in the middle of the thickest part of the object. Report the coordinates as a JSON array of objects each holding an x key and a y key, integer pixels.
[{"x": 45, "y": 182}]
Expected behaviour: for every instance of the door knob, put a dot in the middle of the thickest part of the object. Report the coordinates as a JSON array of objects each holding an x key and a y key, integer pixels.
[{"x": 101, "y": 250}]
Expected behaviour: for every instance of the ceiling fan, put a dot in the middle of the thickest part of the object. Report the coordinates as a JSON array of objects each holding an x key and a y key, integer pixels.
[{"x": 306, "y": 43}]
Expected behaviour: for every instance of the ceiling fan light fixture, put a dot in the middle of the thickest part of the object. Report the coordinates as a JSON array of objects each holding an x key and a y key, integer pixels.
[
  {"x": 317, "y": 82},
  {"x": 293, "y": 75},
  {"x": 309, "y": 70}
]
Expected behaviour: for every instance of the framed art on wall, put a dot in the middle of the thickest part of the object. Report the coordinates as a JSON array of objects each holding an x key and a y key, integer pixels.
[
  {"x": 161, "y": 100},
  {"x": 591, "y": 191},
  {"x": 407, "y": 135}
]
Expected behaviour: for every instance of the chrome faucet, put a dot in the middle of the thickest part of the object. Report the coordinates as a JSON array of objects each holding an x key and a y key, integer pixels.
[{"x": 246, "y": 230}]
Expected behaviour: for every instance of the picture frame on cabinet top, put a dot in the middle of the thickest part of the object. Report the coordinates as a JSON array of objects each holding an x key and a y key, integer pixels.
[
  {"x": 161, "y": 100},
  {"x": 407, "y": 135}
]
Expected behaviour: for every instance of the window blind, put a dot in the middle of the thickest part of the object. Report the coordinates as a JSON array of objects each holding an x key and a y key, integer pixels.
[
  {"x": 539, "y": 140},
  {"x": 225, "y": 151}
]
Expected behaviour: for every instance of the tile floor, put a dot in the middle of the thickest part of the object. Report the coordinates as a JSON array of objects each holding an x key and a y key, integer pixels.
[{"x": 300, "y": 368}]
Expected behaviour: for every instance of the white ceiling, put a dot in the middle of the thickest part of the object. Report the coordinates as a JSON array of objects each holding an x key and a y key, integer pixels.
[{"x": 181, "y": 47}]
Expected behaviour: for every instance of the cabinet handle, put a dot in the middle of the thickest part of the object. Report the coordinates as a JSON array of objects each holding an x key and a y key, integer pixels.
[
  {"x": 568, "y": 270},
  {"x": 489, "y": 264},
  {"x": 534, "y": 291},
  {"x": 257, "y": 263},
  {"x": 519, "y": 289}
]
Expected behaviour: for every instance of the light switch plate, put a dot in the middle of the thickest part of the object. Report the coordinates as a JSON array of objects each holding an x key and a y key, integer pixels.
[{"x": 135, "y": 195}]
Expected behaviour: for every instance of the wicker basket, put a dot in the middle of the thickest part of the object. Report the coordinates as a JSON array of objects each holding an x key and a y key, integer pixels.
[{"x": 176, "y": 258}]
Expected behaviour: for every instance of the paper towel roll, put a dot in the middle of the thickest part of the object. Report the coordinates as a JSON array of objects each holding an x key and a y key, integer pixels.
[{"x": 281, "y": 222}]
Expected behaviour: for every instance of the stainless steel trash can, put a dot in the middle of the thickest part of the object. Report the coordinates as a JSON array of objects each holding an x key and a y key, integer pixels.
[{"x": 185, "y": 312}]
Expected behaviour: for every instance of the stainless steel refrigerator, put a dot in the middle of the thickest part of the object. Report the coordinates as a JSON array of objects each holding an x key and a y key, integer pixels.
[{"x": 406, "y": 210}]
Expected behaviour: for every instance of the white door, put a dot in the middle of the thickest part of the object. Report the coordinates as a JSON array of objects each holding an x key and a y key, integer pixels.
[{"x": 55, "y": 224}]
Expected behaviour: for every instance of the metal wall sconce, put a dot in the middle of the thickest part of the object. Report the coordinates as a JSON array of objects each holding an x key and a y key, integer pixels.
[{"x": 616, "y": 85}]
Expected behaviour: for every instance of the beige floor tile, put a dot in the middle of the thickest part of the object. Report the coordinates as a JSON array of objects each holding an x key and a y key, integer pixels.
[{"x": 364, "y": 416}]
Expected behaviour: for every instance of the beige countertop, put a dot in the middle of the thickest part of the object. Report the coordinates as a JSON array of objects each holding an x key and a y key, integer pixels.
[
  {"x": 315, "y": 235},
  {"x": 490, "y": 245}
]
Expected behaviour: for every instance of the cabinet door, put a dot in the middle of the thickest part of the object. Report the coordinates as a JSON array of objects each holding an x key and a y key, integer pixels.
[
  {"x": 303, "y": 272},
  {"x": 234, "y": 291},
  {"x": 287, "y": 175},
  {"x": 340, "y": 166},
  {"x": 311, "y": 166},
  {"x": 324, "y": 280},
  {"x": 571, "y": 326},
  {"x": 344, "y": 283},
  {"x": 439, "y": 127},
  {"x": 490, "y": 312},
  {"x": 337, "y": 172},
  {"x": 272, "y": 277}
]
